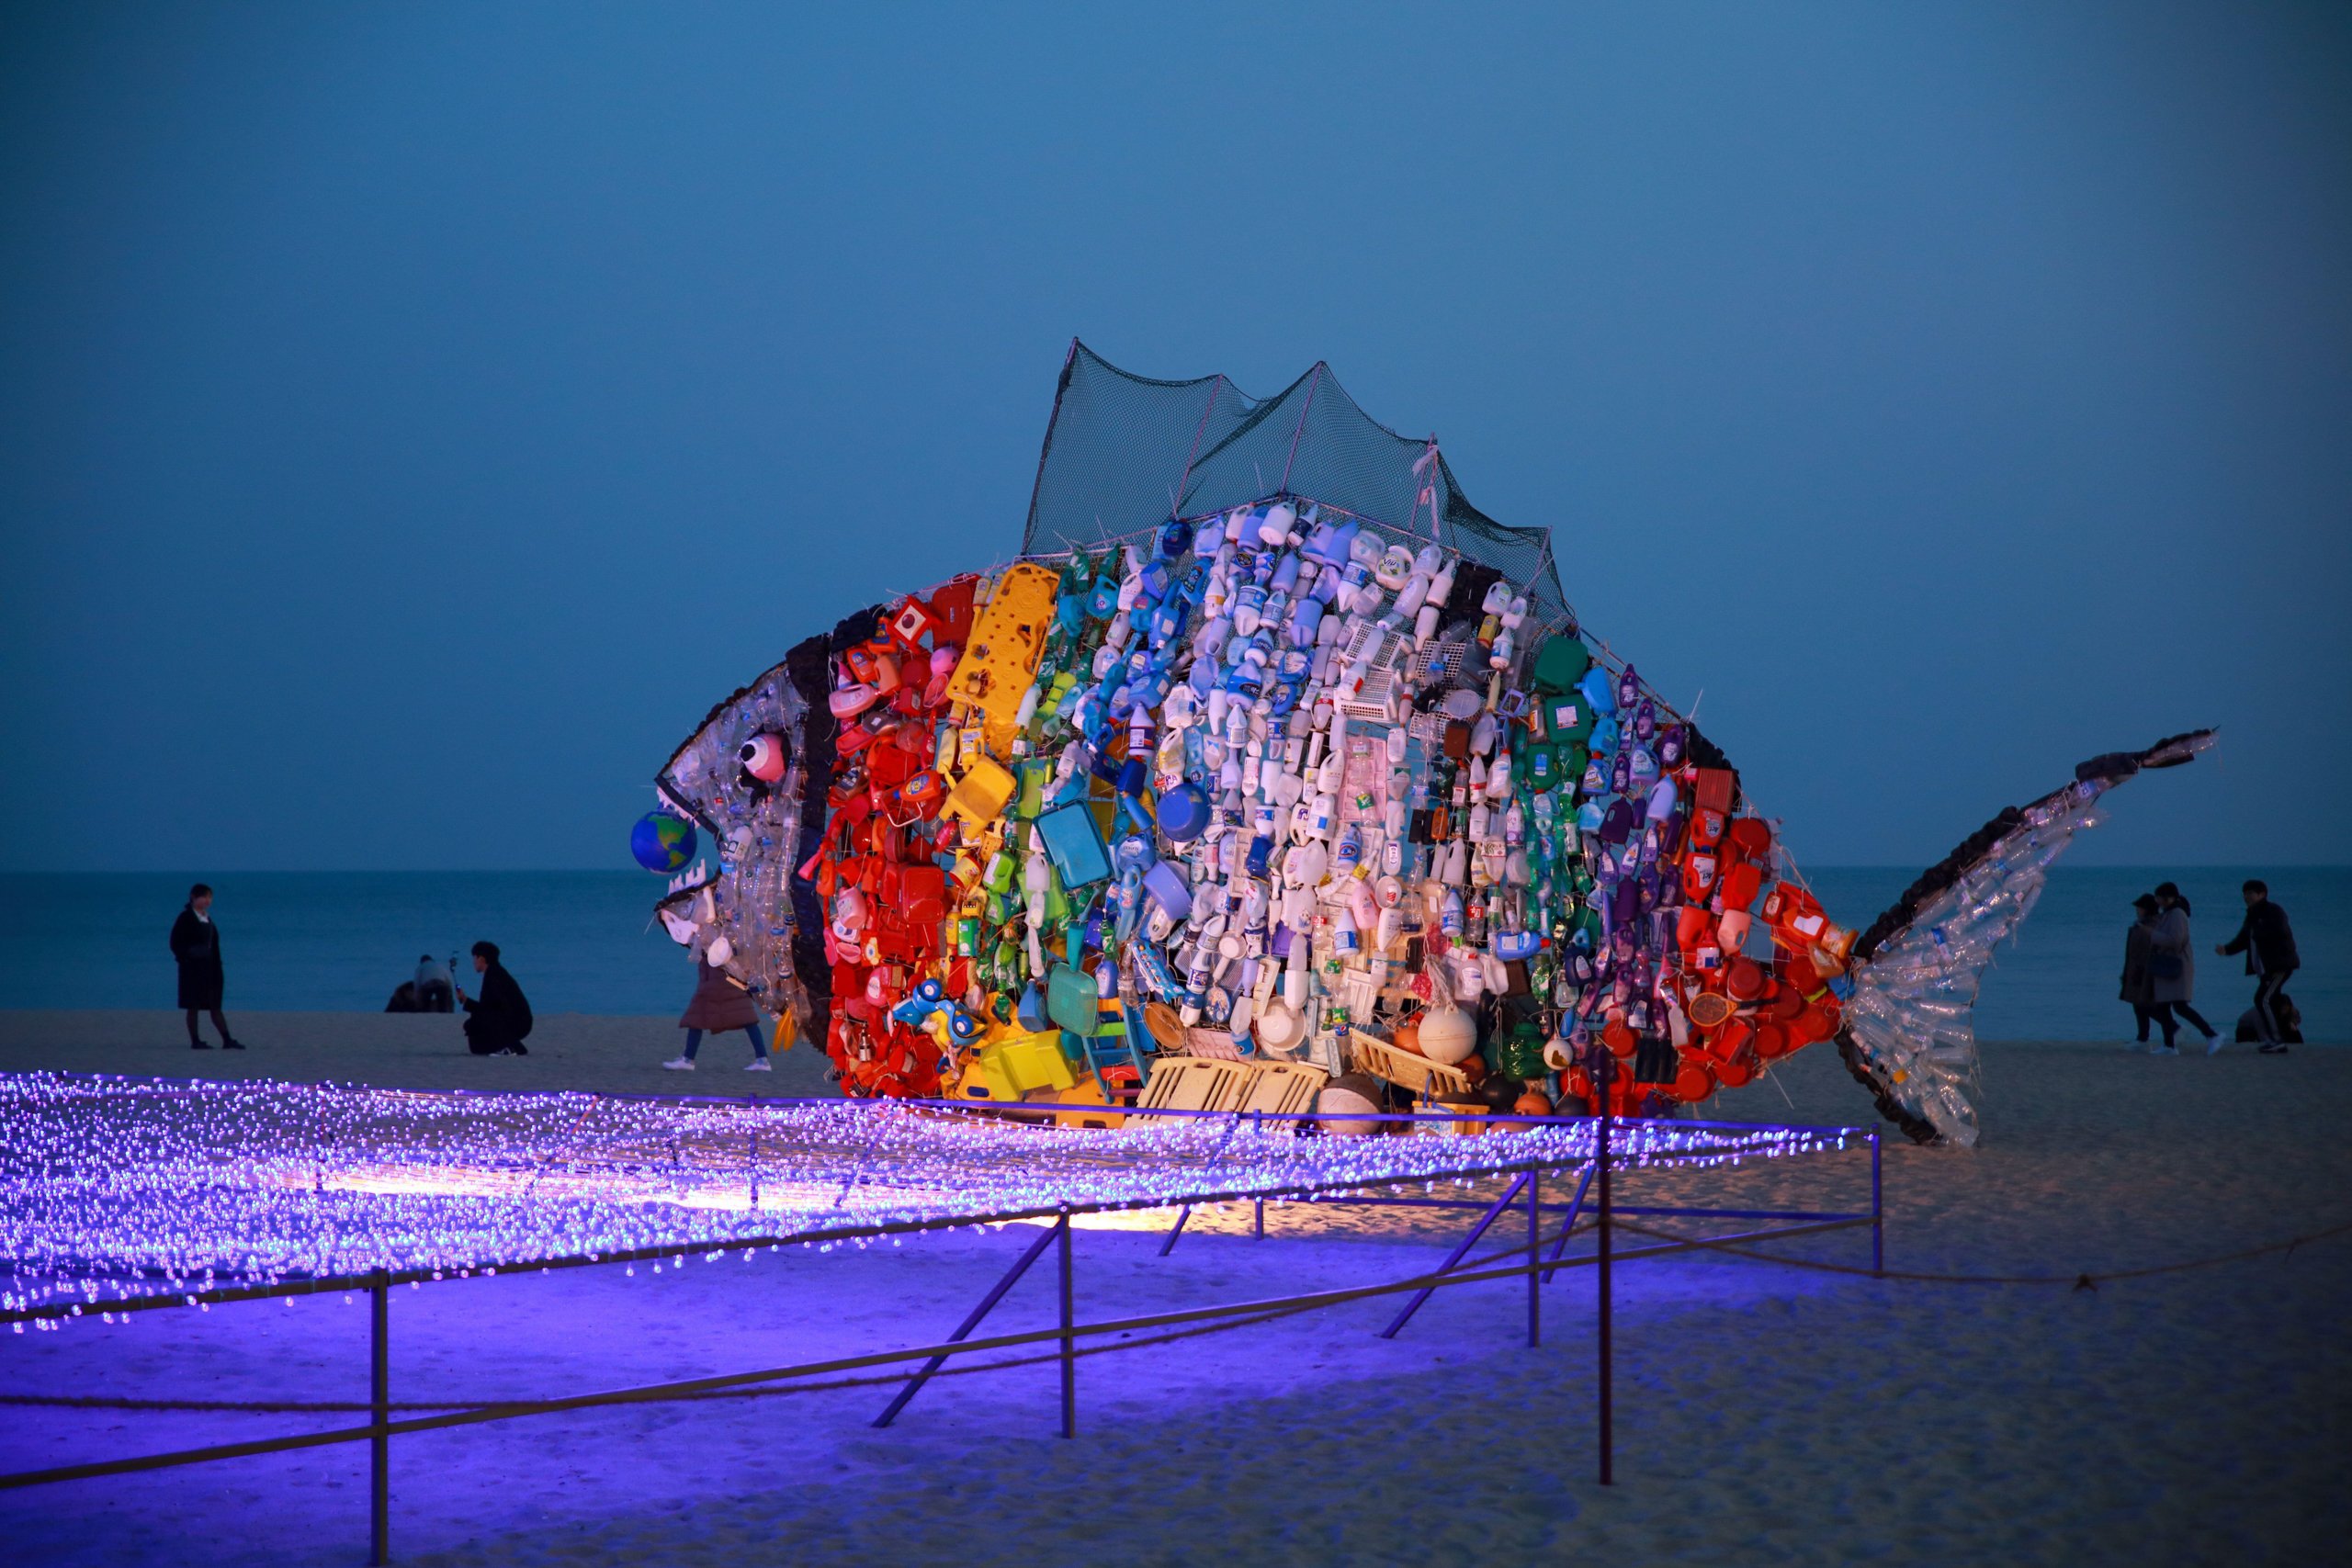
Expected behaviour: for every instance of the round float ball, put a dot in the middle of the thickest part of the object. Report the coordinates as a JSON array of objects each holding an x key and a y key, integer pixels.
[
  {"x": 765, "y": 756},
  {"x": 1498, "y": 1093},
  {"x": 1533, "y": 1102},
  {"x": 1408, "y": 1036},
  {"x": 1352, "y": 1095},
  {"x": 1573, "y": 1105},
  {"x": 1448, "y": 1034},
  {"x": 1473, "y": 1068}
]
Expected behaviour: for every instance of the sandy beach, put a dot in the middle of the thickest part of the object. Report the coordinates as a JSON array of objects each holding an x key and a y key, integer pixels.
[{"x": 1767, "y": 1413}]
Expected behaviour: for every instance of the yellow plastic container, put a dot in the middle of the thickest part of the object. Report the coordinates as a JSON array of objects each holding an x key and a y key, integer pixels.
[
  {"x": 1015, "y": 1064},
  {"x": 979, "y": 796}
]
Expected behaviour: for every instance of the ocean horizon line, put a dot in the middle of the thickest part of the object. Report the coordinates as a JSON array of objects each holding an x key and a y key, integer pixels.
[{"x": 634, "y": 871}]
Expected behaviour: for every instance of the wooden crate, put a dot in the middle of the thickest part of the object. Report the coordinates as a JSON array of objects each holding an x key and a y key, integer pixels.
[{"x": 1406, "y": 1069}]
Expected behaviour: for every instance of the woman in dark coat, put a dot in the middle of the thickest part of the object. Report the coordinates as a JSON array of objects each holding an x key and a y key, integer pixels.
[
  {"x": 2139, "y": 979},
  {"x": 196, "y": 945},
  {"x": 721, "y": 1005}
]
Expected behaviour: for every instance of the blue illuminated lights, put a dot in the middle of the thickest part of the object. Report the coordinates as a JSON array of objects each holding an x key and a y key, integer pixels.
[{"x": 115, "y": 1189}]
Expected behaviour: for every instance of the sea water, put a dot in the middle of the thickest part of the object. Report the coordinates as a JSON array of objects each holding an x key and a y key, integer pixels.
[{"x": 586, "y": 940}]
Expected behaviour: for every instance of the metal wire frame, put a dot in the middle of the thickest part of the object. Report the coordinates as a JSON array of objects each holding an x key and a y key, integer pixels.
[{"x": 1537, "y": 1269}]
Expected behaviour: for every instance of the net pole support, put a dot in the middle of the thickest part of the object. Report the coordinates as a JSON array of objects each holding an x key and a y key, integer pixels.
[
  {"x": 964, "y": 1330},
  {"x": 1878, "y": 1209},
  {"x": 1258, "y": 1205},
  {"x": 1496, "y": 1211},
  {"x": 1534, "y": 1255},
  {"x": 1069, "y": 1341},
  {"x": 1608, "y": 1459},
  {"x": 379, "y": 1395}
]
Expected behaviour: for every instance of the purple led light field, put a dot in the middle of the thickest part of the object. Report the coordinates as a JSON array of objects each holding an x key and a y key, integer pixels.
[{"x": 111, "y": 1188}]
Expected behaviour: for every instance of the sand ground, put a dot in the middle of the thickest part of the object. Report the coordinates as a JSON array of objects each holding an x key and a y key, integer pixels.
[{"x": 1766, "y": 1413}]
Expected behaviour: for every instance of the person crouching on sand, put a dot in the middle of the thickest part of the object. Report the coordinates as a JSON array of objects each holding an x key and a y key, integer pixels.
[
  {"x": 722, "y": 1007},
  {"x": 2139, "y": 977},
  {"x": 498, "y": 1020},
  {"x": 2172, "y": 937},
  {"x": 196, "y": 945},
  {"x": 2268, "y": 944}
]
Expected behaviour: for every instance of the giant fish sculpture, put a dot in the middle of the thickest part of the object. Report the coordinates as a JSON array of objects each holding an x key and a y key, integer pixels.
[{"x": 1269, "y": 747}]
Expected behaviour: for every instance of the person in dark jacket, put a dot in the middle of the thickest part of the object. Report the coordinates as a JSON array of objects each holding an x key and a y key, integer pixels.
[
  {"x": 2268, "y": 943},
  {"x": 2139, "y": 987},
  {"x": 196, "y": 945},
  {"x": 721, "y": 1005},
  {"x": 498, "y": 1021}
]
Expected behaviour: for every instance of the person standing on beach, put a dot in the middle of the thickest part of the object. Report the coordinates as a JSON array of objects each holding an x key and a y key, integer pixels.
[
  {"x": 2173, "y": 939},
  {"x": 2268, "y": 943},
  {"x": 2139, "y": 977},
  {"x": 498, "y": 1020},
  {"x": 721, "y": 1005},
  {"x": 196, "y": 945}
]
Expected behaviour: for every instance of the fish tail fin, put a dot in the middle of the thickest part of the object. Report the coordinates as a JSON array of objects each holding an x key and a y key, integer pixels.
[{"x": 1910, "y": 1032}]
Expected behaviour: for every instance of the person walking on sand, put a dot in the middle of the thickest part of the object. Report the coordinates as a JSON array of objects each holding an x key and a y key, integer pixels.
[
  {"x": 196, "y": 945},
  {"x": 2268, "y": 943},
  {"x": 2139, "y": 986},
  {"x": 721, "y": 1005},
  {"x": 498, "y": 1020},
  {"x": 2172, "y": 941}
]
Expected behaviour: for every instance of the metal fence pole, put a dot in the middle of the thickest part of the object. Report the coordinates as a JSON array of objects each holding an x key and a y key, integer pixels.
[
  {"x": 1069, "y": 1344},
  {"x": 379, "y": 1395},
  {"x": 1877, "y": 1210},
  {"x": 1607, "y": 1476},
  {"x": 1258, "y": 1206},
  {"x": 1534, "y": 1255}
]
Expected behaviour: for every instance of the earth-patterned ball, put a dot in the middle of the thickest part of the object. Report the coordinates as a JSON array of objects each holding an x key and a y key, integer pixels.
[{"x": 663, "y": 842}]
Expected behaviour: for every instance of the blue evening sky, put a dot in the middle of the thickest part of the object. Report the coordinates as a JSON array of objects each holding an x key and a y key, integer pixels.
[{"x": 415, "y": 416}]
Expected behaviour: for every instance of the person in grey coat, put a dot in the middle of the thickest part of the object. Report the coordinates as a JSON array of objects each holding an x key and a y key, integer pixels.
[
  {"x": 2139, "y": 983},
  {"x": 2173, "y": 937}
]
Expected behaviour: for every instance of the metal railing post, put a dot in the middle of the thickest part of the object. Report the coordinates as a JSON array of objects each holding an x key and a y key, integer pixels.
[
  {"x": 963, "y": 1330},
  {"x": 1070, "y": 1343},
  {"x": 1258, "y": 1205},
  {"x": 1535, "y": 1257},
  {"x": 379, "y": 1395},
  {"x": 1607, "y": 1476},
  {"x": 1877, "y": 1210}
]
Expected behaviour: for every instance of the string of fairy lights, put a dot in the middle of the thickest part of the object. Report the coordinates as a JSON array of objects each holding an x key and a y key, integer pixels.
[{"x": 115, "y": 1189}]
